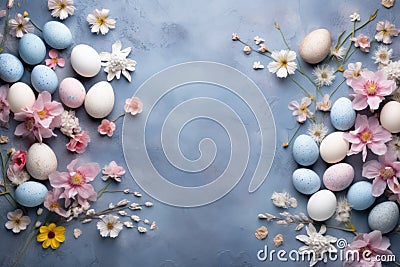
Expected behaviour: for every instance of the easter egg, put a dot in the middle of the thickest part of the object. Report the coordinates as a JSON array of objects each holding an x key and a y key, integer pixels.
[
  {"x": 342, "y": 114},
  {"x": 20, "y": 95},
  {"x": 305, "y": 150},
  {"x": 40, "y": 161},
  {"x": 72, "y": 92},
  {"x": 85, "y": 60},
  {"x": 57, "y": 35},
  {"x": 31, "y": 49},
  {"x": 390, "y": 115},
  {"x": 30, "y": 194},
  {"x": 99, "y": 100},
  {"x": 338, "y": 177},
  {"x": 384, "y": 217},
  {"x": 306, "y": 181},
  {"x": 333, "y": 148},
  {"x": 315, "y": 46},
  {"x": 11, "y": 68},
  {"x": 322, "y": 205},
  {"x": 44, "y": 78},
  {"x": 360, "y": 195}
]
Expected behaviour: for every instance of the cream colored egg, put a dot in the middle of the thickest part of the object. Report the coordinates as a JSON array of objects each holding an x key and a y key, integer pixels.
[
  {"x": 333, "y": 148},
  {"x": 85, "y": 60},
  {"x": 315, "y": 46},
  {"x": 40, "y": 161},
  {"x": 20, "y": 95},
  {"x": 390, "y": 115},
  {"x": 99, "y": 100},
  {"x": 321, "y": 205}
]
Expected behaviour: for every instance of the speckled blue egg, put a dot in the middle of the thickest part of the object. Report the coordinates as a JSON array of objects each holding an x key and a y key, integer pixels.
[
  {"x": 384, "y": 217},
  {"x": 343, "y": 115},
  {"x": 360, "y": 195},
  {"x": 305, "y": 150},
  {"x": 306, "y": 181},
  {"x": 11, "y": 68},
  {"x": 31, "y": 49},
  {"x": 30, "y": 194},
  {"x": 44, "y": 78},
  {"x": 57, "y": 35}
]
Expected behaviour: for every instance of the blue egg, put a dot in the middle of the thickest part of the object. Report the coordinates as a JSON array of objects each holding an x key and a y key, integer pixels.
[
  {"x": 306, "y": 181},
  {"x": 31, "y": 49},
  {"x": 44, "y": 79},
  {"x": 305, "y": 150},
  {"x": 384, "y": 217},
  {"x": 343, "y": 115},
  {"x": 11, "y": 68},
  {"x": 57, "y": 35},
  {"x": 30, "y": 194},
  {"x": 360, "y": 195}
]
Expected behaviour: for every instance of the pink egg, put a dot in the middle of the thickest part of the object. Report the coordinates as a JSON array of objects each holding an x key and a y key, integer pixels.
[
  {"x": 71, "y": 92},
  {"x": 338, "y": 177}
]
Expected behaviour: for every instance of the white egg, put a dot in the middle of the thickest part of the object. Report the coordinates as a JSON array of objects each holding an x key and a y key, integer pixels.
[
  {"x": 99, "y": 100},
  {"x": 20, "y": 95},
  {"x": 322, "y": 205},
  {"x": 40, "y": 161},
  {"x": 85, "y": 60},
  {"x": 315, "y": 46},
  {"x": 333, "y": 148},
  {"x": 390, "y": 115}
]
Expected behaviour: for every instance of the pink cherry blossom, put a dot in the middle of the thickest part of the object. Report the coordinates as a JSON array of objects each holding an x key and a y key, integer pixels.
[
  {"x": 75, "y": 182},
  {"x": 51, "y": 202},
  {"x": 367, "y": 133},
  {"x": 4, "y": 106},
  {"x": 106, "y": 128},
  {"x": 133, "y": 105},
  {"x": 385, "y": 30},
  {"x": 370, "y": 89},
  {"x": 78, "y": 142},
  {"x": 385, "y": 172},
  {"x": 301, "y": 110},
  {"x": 324, "y": 105},
  {"x": 54, "y": 60},
  {"x": 353, "y": 71},
  {"x": 368, "y": 247},
  {"x": 18, "y": 160},
  {"x": 362, "y": 42},
  {"x": 113, "y": 171}
]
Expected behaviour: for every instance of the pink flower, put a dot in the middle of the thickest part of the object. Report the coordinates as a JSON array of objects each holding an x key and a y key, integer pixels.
[
  {"x": 325, "y": 105},
  {"x": 4, "y": 106},
  {"x": 112, "y": 170},
  {"x": 385, "y": 30},
  {"x": 54, "y": 60},
  {"x": 362, "y": 42},
  {"x": 106, "y": 127},
  {"x": 353, "y": 71},
  {"x": 78, "y": 142},
  {"x": 18, "y": 160},
  {"x": 51, "y": 202},
  {"x": 75, "y": 182},
  {"x": 370, "y": 89},
  {"x": 384, "y": 172},
  {"x": 367, "y": 247},
  {"x": 133, "y": 105},
  {"x": 367, "y": 133},
  {"x": 301, "y": 110}
]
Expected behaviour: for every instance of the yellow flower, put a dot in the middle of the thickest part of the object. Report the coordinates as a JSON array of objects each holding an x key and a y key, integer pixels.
[{"x": 51, "y": 235}]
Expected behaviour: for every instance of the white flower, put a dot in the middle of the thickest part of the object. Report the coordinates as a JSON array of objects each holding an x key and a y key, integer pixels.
[
  {"x": 392, "y": 70},
  {"x": 38, "y": 224},
  {"x": 324, "y": 75},
  {"x": 338, "y": 53},
  {"x": 98, "y": 21},
  {"x": 142, "y": 230},
  {"x": 137, "y": 194},
  {"x": 128, "y": 224},
  {"x": 283, "y": 200},
  {"x": 284, "y": 63},
  {"x": 39, "y": 211},
  {"x": 394, "y": 146},
  {"x": 77, "y": 232},
  {"x": 383, "y": 55},
  {"x": 61, "y": 8},
  {"x": 20, "y": 26},
  {"x": 317, "y": 131},
  {"x": 146, "y": 221},
  {"x": 316, "y": 244},
  {"x": 17, "y": 178},
  {"x": 116, "y": 62},
  {"x": 69, "y": 123},
  {"x": 148, "y": 204},
  {"x": 135, "y": 218},
  {"x": 355, "y": 17},
  {"x": 111, "y": 206},
  {"x": 257, "y": 65},
  {"x": 258, "y": 40},
  {"x": 122, "y": 202},
  {"x": 109, "y": 225},
  {"x": 343, "y": 211},
  {"x": 17, "y": 222},
  {"x": 247, "y": 50},
  {"x": 153, "y": 226},
  {"x": 122, "y": 213}
]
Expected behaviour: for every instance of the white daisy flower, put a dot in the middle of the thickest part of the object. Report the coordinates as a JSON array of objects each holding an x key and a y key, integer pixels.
[
  {"x": 17, "y": 222},
  {"x": 98, "y": 21},
  {"x": 284, "y": 63},
  {"x": 317, "y": 131},
  {"x": 61, "y": 8},
  {"x": 257, "y": 65},
  {"x": 258, "y": 40},
  {"x": 109, "y": 225},
  {"x": 324, "y": 75},
  {"x": 338, "y": 53},
  {"x": 383, "y": 55},
  {"x": 355, "y": 17},
  {"x": 392, "y": 70}
]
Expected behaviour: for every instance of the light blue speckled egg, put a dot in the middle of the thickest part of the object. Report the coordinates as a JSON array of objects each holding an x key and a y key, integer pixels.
[
  {"x": 11, "y": 68},
  {"x": 31, "y": 49},
  {"x": 384, "y": 217},
  {"x": 343, "y": 115},
  {"x": 30, "y": 194},
  {"x": 44, "y": 78},
  {"x": 305, "y": 150},
  {"x": 360, "y": 195},
  {"x": 57, "y": 35},
  {"x": 306, "y": 181}
]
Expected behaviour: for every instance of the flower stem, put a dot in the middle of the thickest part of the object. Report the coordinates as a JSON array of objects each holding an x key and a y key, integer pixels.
[
  {"x": 337, "y": 87},
  {"x": 117, "y": 118},
  {"x": 35, "y": 25},
  {"x": 255, "y": 50},
  {"x": 301, "y": 87},
  {"x": 352, "y": 230},
  {"x": 102, "y": 190},
  {"x": 285, "y": 145}
]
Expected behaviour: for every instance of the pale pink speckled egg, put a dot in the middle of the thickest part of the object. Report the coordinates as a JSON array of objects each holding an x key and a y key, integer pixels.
[
  {"x": 338, "y": 177},
  {"x": 72, "y": 92}
]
